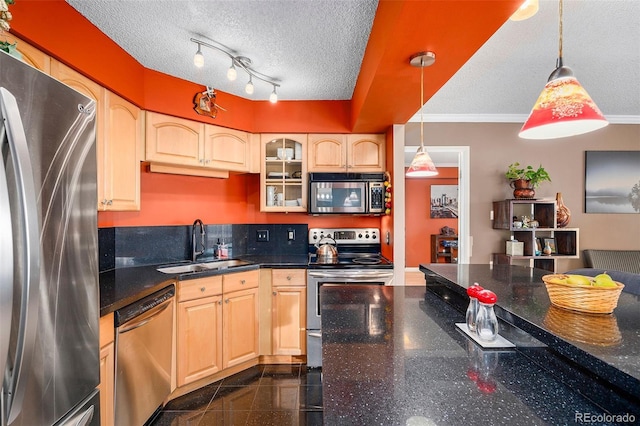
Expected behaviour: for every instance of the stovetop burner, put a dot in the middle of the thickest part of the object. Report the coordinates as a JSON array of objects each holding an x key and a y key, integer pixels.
[{"x": 367, "y": 260}]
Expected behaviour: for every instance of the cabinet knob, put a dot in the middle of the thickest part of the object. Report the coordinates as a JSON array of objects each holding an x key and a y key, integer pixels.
[
  {"x": 275, "y": 293},
  {"x": 288, "y": 277},
  {"x": 226, "y": 301},
  {"x": 242, "y": 282},
  {"x": 219, "y": 302},
  {"x": 202, "y": 289}
]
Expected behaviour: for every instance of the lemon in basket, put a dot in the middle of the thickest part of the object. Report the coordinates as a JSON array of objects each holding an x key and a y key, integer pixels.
[
  {"x": 578, "y": 280},
  {"x": 604, "y": 280}
]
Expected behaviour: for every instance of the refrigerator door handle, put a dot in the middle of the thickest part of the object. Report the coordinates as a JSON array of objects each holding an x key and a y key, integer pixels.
[
  {"x": 6, "y": 263},
  {"x": 14, "y": 383}
]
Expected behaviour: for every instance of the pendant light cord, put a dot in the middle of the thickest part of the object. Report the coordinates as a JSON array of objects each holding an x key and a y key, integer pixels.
[
  {"x": 421, "y": 104},
  {"x": 560, "y": 35}
]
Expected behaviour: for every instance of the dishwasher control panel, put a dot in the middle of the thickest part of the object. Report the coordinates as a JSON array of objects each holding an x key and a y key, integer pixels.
[{"x": 143, "y": 305}]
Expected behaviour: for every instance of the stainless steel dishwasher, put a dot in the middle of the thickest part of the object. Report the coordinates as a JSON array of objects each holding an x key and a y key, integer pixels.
[{"x": 144, "y": 333}]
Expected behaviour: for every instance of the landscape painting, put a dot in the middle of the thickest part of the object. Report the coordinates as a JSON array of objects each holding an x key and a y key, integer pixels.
[
  {"x": 612, "y": 182},
  {"x": 444, "y": 201}
]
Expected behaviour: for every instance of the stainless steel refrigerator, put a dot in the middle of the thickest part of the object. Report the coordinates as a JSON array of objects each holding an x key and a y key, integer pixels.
[{"x": 49, "y": 295}]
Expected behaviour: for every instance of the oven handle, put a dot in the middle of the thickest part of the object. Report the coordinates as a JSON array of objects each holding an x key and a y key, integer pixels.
[{"x": 361, "y": 275}]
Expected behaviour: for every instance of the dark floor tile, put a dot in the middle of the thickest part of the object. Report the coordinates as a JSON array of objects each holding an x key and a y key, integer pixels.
[
  {"x": 281, "y": 397},
  {"x": 224, "y": 418},
  {"x": 233, "y": 398},
  {"x": 196, "y": 400},
  {"x": 273, "y": 418},
  {"x": 310, "y": 398},
  {"x": 178, "y": 418},
  {"x": 310, "y": 377},
  {"x": 246, "y": 377},
  {"x": 281, "y": 371}
]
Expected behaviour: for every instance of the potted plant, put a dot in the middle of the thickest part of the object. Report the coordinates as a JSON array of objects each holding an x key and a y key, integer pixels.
[{"x": 524, "y": 180}]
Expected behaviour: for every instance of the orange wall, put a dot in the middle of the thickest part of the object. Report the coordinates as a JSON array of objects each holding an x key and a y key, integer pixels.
[
  {"x": 418, "y": 224},
  {"x": 174, "y": 199},
  {"x": 179, "y": 200}
]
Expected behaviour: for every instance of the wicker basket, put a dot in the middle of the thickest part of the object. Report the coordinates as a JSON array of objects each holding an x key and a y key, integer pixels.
[
  {"x": 582, "y": 298},
  {"x": 593, "y": 329}
]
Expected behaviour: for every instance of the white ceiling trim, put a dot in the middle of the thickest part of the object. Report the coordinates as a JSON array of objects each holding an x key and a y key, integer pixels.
[{"x": 504, "y": 118}]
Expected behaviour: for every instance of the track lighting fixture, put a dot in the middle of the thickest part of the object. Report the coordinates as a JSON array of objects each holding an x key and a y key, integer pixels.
[
  {"x": 232, "y": 74},
  {"x": 237, "y": 61},
  {"x": 249, "y": 87},
  {"x": 198, "y": 59}
]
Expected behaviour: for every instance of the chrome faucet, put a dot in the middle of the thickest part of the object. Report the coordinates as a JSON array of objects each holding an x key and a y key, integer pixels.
[{"x": 194, "y": 250}]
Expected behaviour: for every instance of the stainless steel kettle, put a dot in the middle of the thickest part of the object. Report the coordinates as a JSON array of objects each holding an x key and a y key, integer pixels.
[{"x": 326, "y": 252}]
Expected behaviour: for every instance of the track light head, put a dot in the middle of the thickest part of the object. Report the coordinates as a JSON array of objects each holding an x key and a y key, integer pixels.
[
  {"x": 198, "y": 59},
  {"x": 249, "y": 87},
  {"x": 273, "y": 97}
]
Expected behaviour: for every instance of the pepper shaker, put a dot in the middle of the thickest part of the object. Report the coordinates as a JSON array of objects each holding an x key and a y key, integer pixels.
[
  {"x": 472, "y": 309},
  {"x": 486, "y": 321}
]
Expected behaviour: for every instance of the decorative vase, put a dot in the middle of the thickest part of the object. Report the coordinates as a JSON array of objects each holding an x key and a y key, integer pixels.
[
  {"x": 563, "y": 214},
  {"x": 547, "y": 249},
  {"x": 522, "y": 188}
]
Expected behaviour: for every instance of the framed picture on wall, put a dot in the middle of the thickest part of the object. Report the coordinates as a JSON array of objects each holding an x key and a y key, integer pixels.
[
  {"x": 444, "y": 202},
  {"x": 612, "y": 182}
]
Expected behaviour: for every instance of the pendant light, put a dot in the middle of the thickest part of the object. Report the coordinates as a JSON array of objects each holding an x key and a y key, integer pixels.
[
  {"x": 564, "y": 108},
  {"x": 422, "y": 165},
  {"x": 526, "y": 10}
]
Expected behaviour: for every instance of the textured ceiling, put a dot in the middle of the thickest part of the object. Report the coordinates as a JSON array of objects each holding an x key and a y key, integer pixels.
[{"x": 315, "y": 49}]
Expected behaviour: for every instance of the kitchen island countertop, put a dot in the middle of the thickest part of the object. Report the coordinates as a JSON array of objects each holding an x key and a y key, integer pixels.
[{"x": 409, "y": 365}]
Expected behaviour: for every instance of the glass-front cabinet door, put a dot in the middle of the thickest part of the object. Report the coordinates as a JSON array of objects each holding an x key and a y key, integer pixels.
[{"x": 283, "y": 175}]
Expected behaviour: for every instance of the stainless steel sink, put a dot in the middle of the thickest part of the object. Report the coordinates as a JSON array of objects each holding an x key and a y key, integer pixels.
[{"x": 203, "y": 267}]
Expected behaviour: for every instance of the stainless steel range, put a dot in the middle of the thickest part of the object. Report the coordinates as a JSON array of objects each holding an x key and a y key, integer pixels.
[{"x": 359, "y": 261}]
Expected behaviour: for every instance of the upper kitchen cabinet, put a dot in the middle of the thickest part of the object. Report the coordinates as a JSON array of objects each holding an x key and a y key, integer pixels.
[
  {"x": 226, "y": 149},
  {"x": 119, "y": 135},
  {"x": 120, "y": 155},
  {"x": 283, "y": 174},
  {"x": 346, "y": 153},
  {"x": 173, "y": 140},
  {"x": 30, "y": 54},
  {"x": 180, "y": 146}
]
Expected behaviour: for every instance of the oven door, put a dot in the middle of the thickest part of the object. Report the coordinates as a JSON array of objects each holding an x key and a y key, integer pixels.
[
  {"x": 338, "y": 197},
  {"x": 317, "y": 278}
]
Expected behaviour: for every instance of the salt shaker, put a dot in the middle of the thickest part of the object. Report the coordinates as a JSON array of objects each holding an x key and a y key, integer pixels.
[
  {"x": 486, "y": 321},
  {"x": 472, "y": 309}
]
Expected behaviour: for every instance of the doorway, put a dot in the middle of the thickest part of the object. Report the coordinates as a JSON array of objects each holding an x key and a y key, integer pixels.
[{"x": 400, "y": 227}]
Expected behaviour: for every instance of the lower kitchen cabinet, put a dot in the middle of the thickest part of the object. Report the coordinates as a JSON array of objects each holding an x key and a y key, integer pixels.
[
  {"x": 217, "y": 324},
  {"x": 199, "y": 340},
  {"x": 240, "y": 317},
  {"x": 107, "y": 370},
  {"x": 288, "y": 318}
]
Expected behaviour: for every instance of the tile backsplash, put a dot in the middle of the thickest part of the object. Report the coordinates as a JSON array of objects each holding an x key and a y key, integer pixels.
[{"x": 151, "y": 245}]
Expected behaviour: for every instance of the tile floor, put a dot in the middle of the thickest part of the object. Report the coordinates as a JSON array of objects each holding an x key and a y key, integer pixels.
[{"x": 263, "y": 395}]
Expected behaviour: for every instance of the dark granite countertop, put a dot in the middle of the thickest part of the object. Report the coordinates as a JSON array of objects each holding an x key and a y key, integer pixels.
[
  {"x": 123, "y": 286},
  {"x": 608, "y": 345},
  {"x": 407, "y": 364}
]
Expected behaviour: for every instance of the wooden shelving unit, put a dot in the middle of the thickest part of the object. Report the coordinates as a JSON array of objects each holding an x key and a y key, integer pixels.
[
  {"x": 544, "y": 212},
  {"x": 441, "y": 253}
]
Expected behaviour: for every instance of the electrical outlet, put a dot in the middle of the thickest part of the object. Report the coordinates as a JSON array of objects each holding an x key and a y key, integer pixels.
[
  {"x": 291, "y": 234},
  {"x": 262, "y": 235}
]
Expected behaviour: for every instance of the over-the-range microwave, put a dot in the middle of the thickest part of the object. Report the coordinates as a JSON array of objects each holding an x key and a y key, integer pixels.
[{"x": 346, "y": 193}]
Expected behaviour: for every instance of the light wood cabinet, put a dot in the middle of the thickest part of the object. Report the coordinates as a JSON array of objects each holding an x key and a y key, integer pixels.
[
  {"x": 119, "y": 135},
  {"x": 289, "y": 317},
  {"x": 180, "y": 146},
  {"x": 119, "y": 155},
  {"x": 346, "y": 153},
  {"x": 30, "y": 54},
  {"x": 107, "y": 370},
  {"x": 199, "y": 339},
  {"x": 173, "y": 140},
  {"x": 240, "y": 317},
  {"x": 217, "y": 324},
  {"x": 226, "y": 149},
  {"x": 283, "y": 173}
]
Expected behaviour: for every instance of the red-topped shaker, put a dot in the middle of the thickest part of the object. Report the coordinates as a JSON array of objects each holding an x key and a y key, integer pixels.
[
  {"x": 486, "y": 321},
  {"x": 472, "y": 309}
]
